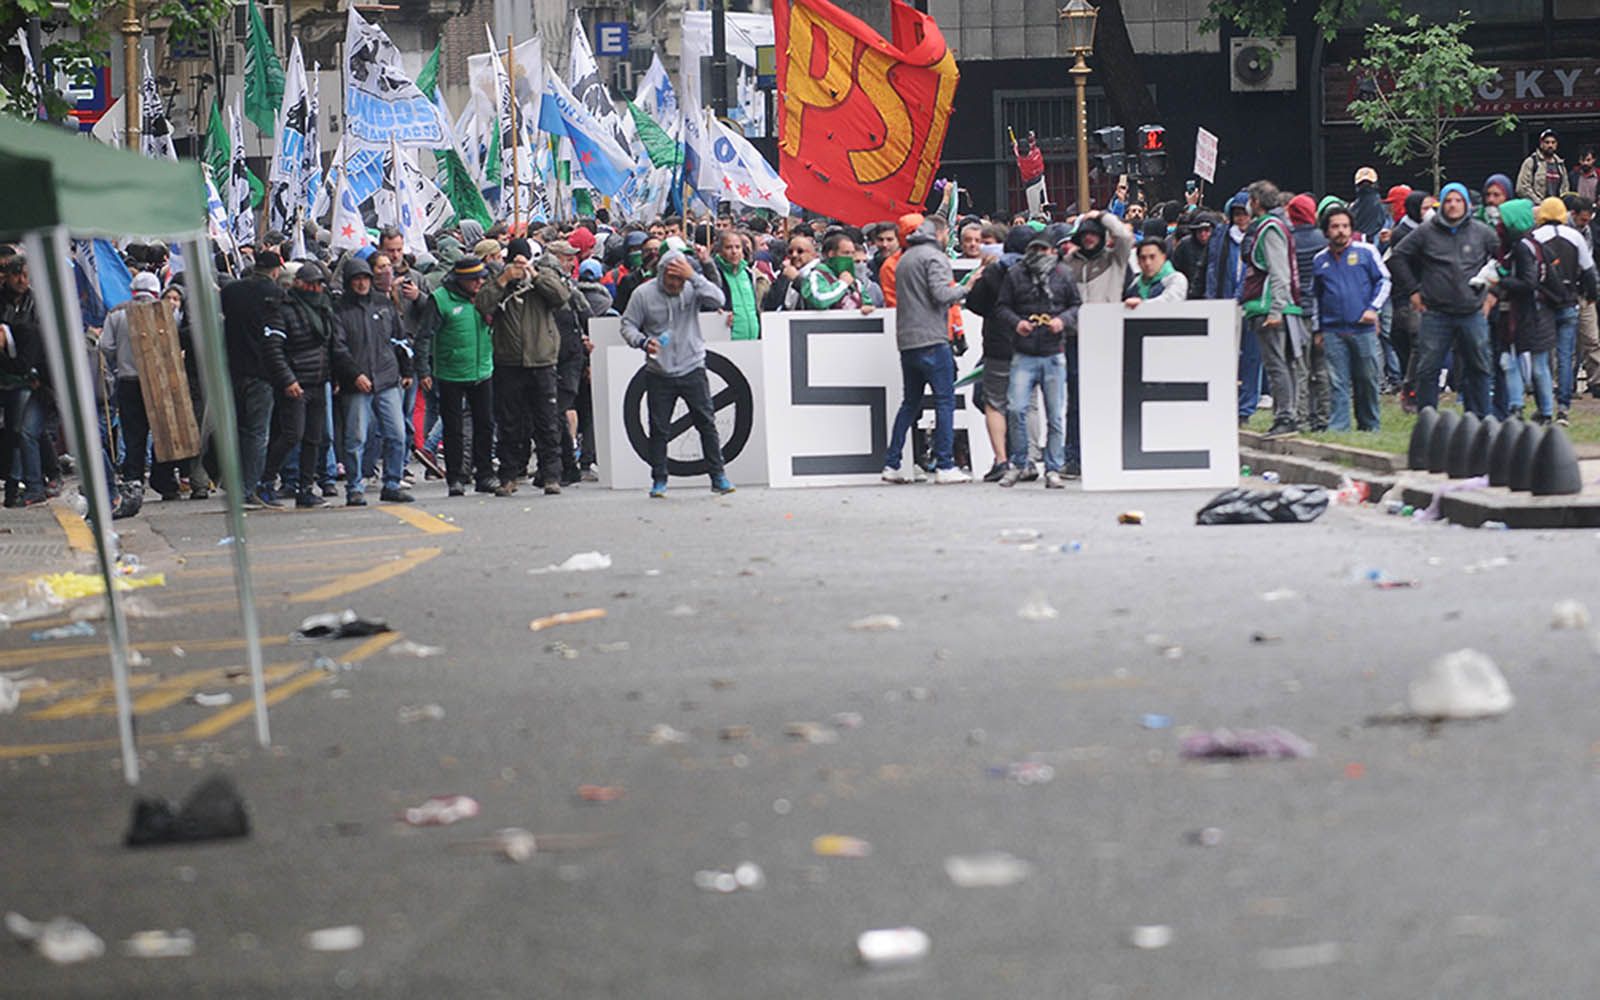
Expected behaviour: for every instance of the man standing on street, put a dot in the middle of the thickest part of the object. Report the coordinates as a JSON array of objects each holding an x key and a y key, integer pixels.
[
  {"x": 251, "y": 322},
  {"x": 1366, "y": 208},
  {"x": 1544, "y": 173},
  {"x": 1039, "y": 302},
  {"x": 925, "y": 291},
  {"x": 368, "y": 345},
  {"x": 299, "y": 414},
  {"x": 520, "y": 306},
  {"x": 454, "y": 346},
  {"x": 1569, "y": 277},
  {"x": 1349, "y": 287},
  {"x": 1267, "y": 293},
  {"x": 1435, "y": 266},
  {"x": 663, "y": 319},
  {"x": 730, "y": 272},
  {"x": 1099, "y": 263}
]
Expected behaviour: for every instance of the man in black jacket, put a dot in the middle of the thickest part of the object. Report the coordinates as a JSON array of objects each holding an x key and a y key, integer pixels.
[
  {"x": 299, "y": 413},
  {"x": 372, "y": 365},
  {"x": 998, "y": 349},
  {"x": 255, "y": 352},
  {"x": 22, "y": 386},
  {"x": 1040, "y": 302}
]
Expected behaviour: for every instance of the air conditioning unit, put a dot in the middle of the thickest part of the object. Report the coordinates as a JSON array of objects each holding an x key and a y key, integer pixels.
[{"x": 1262, "y": 64}]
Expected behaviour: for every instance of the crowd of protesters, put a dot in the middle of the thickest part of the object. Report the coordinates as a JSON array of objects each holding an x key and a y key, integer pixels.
[{"x": 468, "y": 361}]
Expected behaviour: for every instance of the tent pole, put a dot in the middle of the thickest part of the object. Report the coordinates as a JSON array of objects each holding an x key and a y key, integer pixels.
[
  {"x": 219, "y": 403},
  {"x": 57, "y": 301}
]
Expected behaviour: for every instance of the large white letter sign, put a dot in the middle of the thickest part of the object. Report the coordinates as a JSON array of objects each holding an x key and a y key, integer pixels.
[{"x": 1159, "y": 395}]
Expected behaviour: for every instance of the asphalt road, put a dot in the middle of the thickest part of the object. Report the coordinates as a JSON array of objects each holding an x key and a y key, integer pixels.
[{"x": 1398, "y": 862}]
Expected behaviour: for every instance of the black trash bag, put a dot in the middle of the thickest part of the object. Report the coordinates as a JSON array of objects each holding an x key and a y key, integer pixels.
[
  {"x": 1290, "y": 505},
  {"x": 344, "y": 624},
  {"x": 214, "y": 811}
]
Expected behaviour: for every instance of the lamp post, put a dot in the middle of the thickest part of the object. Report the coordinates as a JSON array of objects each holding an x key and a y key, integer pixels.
[
  {"x": 1080, "y": 16},
  {"x": 131, "y": 30}
]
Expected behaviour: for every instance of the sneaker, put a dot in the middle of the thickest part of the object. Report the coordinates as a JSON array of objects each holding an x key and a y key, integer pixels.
[
  {"x": 590, "y": 476},
  {"x": 306, "y": 501},
  {"x": 200, "y": 494},
  {"x": 330, "y": 490},
  {"x": 458, "y": 490},
  {"x": 1011, "y": 477},
  {"x": 658, "y": 489},
  {"x": 356, "y": 500},
  {"x": 722, "y": 485},
  {"x": 919, "y": 474},
  {"x": 1541, "y": 419},
  {"x": 571, "y": 478},
  {"x": 553, "y": 488},
  {"x": 1030, "y": 472},
  {"x": 995, "y": 472},
  {"x": 486, "y": 486},
  {"x": 505, "y": 489},
  {"x": 1054, "y": 481},
  {"x": 1072, "y": 470},
  {"x": 396, "y": 494},
  {"x": 266, "y": 499},
  {"x": 34, "y": 500},
  {"x": 950, "y": 477},
  {"x": 170, "y": 496},
  {"x": 897, "y": 476},
  {"x": 1281, "y": 428},
  {"x": 1561, "y": 418}
]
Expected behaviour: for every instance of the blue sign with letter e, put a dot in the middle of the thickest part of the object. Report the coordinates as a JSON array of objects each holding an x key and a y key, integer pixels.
[{"x": 611, "y": 38}]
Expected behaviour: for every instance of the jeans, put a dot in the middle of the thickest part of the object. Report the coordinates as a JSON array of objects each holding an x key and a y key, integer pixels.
[
  {"x": 359, "y": 410},
  {"x": 525, "y": 411},
  {"x": 480, "y": 397},
  {"x": 19, "y": 440},
  {"x": 1511, "y": 365},
  {"x": 1566, "y": 354},
  {"x": 932, "y": 368},
  {"x": 1353, "y": 368},
  {"x": 1311, "y": 387},
  {"x": 136, "y": 442},
  {"x": 252, "y": 398},
  {"x": 1392, "y": 370},
  {"x": 1249, "y": 373},
  {"x": 1469, "y": 334},
  {"x": 662, "y": 393},
  {"x": 1049, "y": 374},
  {"x": 1277, "y": 360},
  {"x": 297, "y": 425}
]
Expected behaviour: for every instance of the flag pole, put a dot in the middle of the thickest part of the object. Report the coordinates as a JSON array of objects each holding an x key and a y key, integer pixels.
[{"x": 516, "y": 134}]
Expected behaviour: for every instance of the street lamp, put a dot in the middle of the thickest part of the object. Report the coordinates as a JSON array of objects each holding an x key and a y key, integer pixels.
[
  {"x": 1080, "y": 16},
  {"x": 133, "y": 114}
]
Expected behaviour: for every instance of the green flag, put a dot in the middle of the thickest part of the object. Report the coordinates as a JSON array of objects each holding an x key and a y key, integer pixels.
[
  {"x": 583, "y": 203},
  {"x": 663, "y": 151},
  {"x": 455, "y": 180},
  {"x": 263, "y": 76},
  {"x": 428, "y": 79},
  {"x": 218, "y": 148}
]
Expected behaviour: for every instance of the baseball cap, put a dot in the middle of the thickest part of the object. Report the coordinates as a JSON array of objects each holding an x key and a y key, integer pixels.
[
  {"x": 310, "y": 272},
  {"x": 1367, "y": 175}
]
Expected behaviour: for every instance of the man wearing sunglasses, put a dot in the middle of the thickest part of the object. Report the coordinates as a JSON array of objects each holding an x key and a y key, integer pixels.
[{"x": 801, "y": 254}]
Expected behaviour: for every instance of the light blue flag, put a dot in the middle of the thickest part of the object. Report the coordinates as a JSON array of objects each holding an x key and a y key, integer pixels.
[{"x": 604, "y": 163}]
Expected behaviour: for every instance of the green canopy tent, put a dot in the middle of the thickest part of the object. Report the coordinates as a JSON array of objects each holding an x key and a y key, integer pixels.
[{"x": 59, "y": 186}]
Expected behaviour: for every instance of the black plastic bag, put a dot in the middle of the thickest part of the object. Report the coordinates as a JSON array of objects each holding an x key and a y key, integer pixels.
[
  {"x": 213, "y": 811},
  {"x": 1290, "y": 505}
]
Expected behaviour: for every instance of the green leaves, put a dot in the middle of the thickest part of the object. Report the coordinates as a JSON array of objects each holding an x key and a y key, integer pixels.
[{"x": 1267, "y": 18}]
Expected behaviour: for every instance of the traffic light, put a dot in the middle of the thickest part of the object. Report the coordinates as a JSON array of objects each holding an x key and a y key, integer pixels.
[
  {"x": 1152, "y": 150},
  {"x": 1109, "y": 156}
]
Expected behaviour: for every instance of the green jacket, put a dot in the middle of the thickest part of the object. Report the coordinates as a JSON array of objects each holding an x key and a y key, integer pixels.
[{"x": 457, "y": 346}]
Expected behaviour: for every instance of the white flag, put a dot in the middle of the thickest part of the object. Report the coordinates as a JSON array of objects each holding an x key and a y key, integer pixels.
[
  {"x": 732, "y": 168},
  {"x": 311, "y": 162},
  {"x": 349, "y": 232},
  {"x": 238, "y": 194},
  {"x": 156, "y": 131},
  {"x": 382, "y": 103},
  {"x": 408, "y": 211},
  {"x": 285, "y": 189}
]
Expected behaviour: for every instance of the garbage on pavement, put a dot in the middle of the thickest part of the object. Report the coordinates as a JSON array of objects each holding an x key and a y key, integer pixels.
[
  {"x": 1014, "y": 536},
  {"x": 600, "y": 793},
  {"x": 1272, "y": 743},
  {"x": 1024, "y": 772},
  {"x": 1037, "y": 609},
  {"x": 346, "y": 938},
  {"x": 61, "y": 940},
  {"x": 892, "y": 946},
  {"x": 582, "y": 562},
  {"x": 1289, "y": 505},
  {"x": 77, "y": 630},
  {"x": 1149, "y": 937},
  {"x": 213, "y": 811},
  {"x": 566, "y": 618},
  {"x": 989, "y": 870},
  {"x": 1131, "y": 517},
  {"x": 1569, "y": 614},
  {"x": 1464, "y": 684},
  {"x": 442, "y": 810},
  {"x": 160, "y": 944},
  {"x": 207, "y": 700},
  {"x": 747, "y": 875},
  {"x": 876, "y": 623},
  {"x": 344, "y": 624},
  {"x": 405, "y": 647},
  {"x": 838, "y": 845},
  {"x": 420, "y": 713}
]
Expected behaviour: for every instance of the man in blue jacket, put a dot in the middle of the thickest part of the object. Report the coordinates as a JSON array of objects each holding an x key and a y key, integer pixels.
[
  {"x": 1349, "y": 287},
  {"x": 1222, "y": 282}
]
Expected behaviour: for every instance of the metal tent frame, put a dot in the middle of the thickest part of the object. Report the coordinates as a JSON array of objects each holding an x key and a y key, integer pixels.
[{"x": 62, "y": 186}]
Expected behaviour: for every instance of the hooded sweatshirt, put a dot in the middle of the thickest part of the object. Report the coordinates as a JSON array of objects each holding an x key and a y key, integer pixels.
[
  {"x": 1440, "y": 259},
  {"x": 1308, "y": 242},
  {"x": 368, "y": 338},
  {"x": 652, "y": 312},
  {"x": 1397, "y": 201},
  {"x": 116, "y": 342},
  {"x": 1222, "y": 268},
  {"x": 985, "y": 295},
  {"x": 925, "y": 291},
  {"x": 1026, "y": 293},
  {"x": 1367, "y": 210},
  {"x": 1101, "y": 274}
]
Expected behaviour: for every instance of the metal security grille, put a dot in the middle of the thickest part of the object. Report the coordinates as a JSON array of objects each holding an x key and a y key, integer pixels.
[{"x": 1052, "y": 116}]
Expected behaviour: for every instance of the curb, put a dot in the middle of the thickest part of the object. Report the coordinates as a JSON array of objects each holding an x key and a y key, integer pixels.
[
  {"x": 1474, "y": 508},
  {"x": 1296, "y": 469},
  {"x": 1379, "y": 462}
]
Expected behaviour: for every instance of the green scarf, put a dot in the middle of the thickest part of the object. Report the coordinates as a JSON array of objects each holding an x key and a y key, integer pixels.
[
  {"x": 741, "y": 299},
  {"x": 1148, "y": 287}
]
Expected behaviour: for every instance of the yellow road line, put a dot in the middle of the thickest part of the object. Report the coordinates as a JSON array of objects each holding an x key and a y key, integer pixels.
[
  {"x": 79, "y": 537},
  {"x": 430, "y": 523},
  {"x": 366, "y": 578},
  {"x": 311, "y": 543},
  {"x": 235, "y": 714},
  {"x": 76, "y": 651}
]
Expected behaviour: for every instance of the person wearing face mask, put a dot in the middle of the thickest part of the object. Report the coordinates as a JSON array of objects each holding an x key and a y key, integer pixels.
[
  {"x": 1099, "y": 259},
  {"x": 1038, "y": 302},
  {"x": 1435, "y": 266},
  {"x": 641, "y": 268},
  {"x": 832, "y": 283},
  {"x": 367, "y": 360}
]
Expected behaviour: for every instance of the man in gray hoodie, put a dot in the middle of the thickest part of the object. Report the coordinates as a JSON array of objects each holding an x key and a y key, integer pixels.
[
  {"x": 925, "y": 289},
  {"x": 663, "y": 320}
]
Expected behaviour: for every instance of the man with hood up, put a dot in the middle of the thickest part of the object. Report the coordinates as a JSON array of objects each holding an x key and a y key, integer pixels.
[
  {"x": 1311, "y": 375},
  {"x": 997, "y": 346},
  {"x": 1529, "y": 331},
  {"x": 925, "y": 289},
  {"x": 1038, "y": 301},
  {"x": 1366, "y": 207},
  {"x": 1223, "y": 272},
  {"x": 1435, "y": 266},
  {"x": 370, "y": 360},
  {"x": 1269, "y": 293},
  {"x": 299, "y": 414},
  {"x": 1194, "y": 249},
  {"x": 1099, "y": 260},
  {"x": 116, "y": 344}
]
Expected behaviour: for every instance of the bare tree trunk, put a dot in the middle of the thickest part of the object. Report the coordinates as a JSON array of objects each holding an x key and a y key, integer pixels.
[{"x": 1117, "y": 67}]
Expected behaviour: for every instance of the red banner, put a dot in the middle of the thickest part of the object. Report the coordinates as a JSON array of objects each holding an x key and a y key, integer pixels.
[{"x": 861, "y": 122}]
